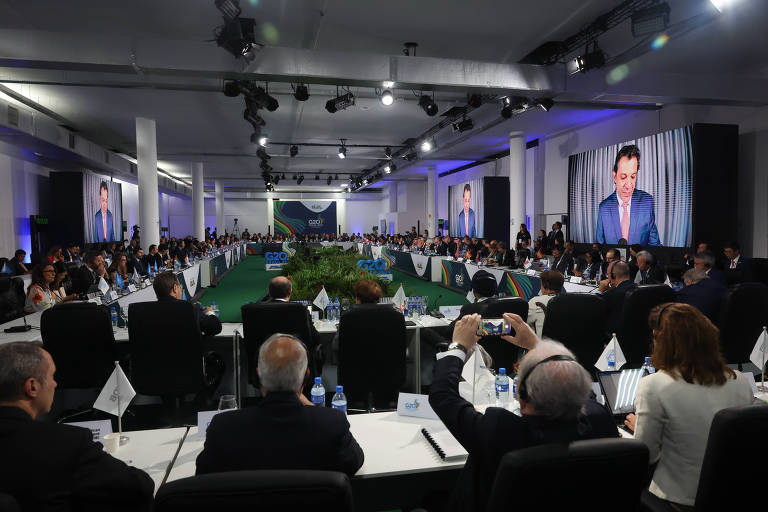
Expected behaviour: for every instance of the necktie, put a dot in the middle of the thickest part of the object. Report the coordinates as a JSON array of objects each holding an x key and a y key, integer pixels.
[
  {"x": 625, "y": 223},
  {"x": 733, "y": 263}
]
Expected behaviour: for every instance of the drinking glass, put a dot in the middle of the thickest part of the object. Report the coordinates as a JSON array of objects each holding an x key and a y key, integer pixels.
[{"x": 227, "y": 402}]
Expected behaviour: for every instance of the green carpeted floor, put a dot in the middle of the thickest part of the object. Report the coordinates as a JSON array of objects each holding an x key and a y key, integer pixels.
[{"x": 248, "y": 282}]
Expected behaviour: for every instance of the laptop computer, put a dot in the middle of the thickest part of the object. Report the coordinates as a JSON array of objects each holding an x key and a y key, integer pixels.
[{"x": 620, "y": 389}]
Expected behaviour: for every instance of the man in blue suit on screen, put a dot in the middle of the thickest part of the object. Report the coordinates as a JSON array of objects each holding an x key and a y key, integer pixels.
[
  {"x": 467, "y": 215},
  {"x": 102, "y": 222},
  {"x": 628, "y": 212}
]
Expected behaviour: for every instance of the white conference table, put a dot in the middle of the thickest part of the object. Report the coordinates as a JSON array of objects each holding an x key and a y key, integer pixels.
[{"x": 152, "y": 451}]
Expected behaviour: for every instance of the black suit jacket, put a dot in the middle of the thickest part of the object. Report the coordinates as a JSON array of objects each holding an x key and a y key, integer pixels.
[
  {"x": 705, "y": 296},
  {"x": 49, "y": 466},
  {"x": 84, "y": 280},
  {"x": 717, "y": 275},
  {"x": 565, "y": 262},
  {"x": 488, "y": 437},
  {"x": 654, "y": 275},
  {"x": 210, "y": 325},
  {"x": 554, "y": 239},
  {"x": 614, "y": 299},
  {"x": 522, "y": 254},
  {"x": 280, "y": 433}
]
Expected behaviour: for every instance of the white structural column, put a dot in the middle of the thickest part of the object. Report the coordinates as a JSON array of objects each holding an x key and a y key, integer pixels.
[
  {"x": 393, "y": 224},
  {"x": 431, "y": 201},
  {"x": 219, "y": 193},
  {"x": 146, "y": 163},
  {"x": 198, "y": 203},
  {"x": 516, "y": 183},
  {"x": 270, "y": 214},
  {"x": 341, "y": 215}
]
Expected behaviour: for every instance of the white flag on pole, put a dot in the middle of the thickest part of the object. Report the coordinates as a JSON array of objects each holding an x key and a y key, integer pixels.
[
  {"x": 527, "y": 263},
  {"x": 399, "y": 298},
  {"x": 471, "y": 297},
  {"x": 321, "y": 301},
  {"x": 135, "y": 277},
  {"x": 117, "y": 388},
  {"x": 759, "y": 353},
  {"x": 611, "y": 349},
  {"x": 103, "y": 286}
]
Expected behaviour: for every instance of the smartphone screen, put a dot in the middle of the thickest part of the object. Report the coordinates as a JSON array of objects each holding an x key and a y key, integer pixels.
[{"x": 493, "y": 327}]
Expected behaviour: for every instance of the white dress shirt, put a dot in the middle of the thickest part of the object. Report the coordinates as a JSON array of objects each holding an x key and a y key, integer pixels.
[
  {"x": 536, "y": 313},
  {"x": 673, "y": 419}
]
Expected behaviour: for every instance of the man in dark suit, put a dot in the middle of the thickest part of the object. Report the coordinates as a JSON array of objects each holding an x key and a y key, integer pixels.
[
  {"x": 702, "y": 292},
  {"x": 152, "y": 259},
  {"x": 555, "y": 407},
  {"x": 280, "y": 290},
  {"x": 634, "y": 250},
  {"x": 706, "y": 261},
  {"x": 16, "y": 264},
  {"x": 614, "y": 289},
  {"x": 735, "y": 261},
  {"x": 466, "y": 225},
  {"x": 628, "y": 212},
  {"x": 647, "y": 270},
  {"x": 51, "y": 466},
  {"x": 523, "y": 253},
  {"x": 168, "y": 288},
  {"x": 136, "y": 262},
  {"x": 555, "y": 238},
  {"x": 612, "y": 255},
  {"x": 85, "y": 279},
  {"x": 504, "y": 256},
  {"x": 103, "y": 230},
  {"x": 285, "y": 430},
  {"x": 563, "y": 261}
]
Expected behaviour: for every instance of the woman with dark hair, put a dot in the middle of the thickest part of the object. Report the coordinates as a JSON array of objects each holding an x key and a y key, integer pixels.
[
  {"x": 591, "y": 266},
  {"x": 39, "y": 295},
  {"x": 119, "y": 267},
  {"x": 675, "y": 406},
  {"x": 60, "y": 284},
  {"x": 523, "y": 234},
  {"x": 55, "y": 254}
]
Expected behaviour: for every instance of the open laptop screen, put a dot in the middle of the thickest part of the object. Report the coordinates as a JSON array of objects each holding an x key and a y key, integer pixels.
[{"x": 620, "y": 389}]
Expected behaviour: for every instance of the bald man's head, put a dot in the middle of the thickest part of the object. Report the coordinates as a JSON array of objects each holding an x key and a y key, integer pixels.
[
  {"x": 282, "y": 363},
  {"x": 280, "y": 288}
]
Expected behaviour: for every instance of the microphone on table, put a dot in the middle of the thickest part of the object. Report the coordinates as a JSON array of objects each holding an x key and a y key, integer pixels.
[
  {"x": 435, "y": 312},
  {"x": 20, "y": 328}
]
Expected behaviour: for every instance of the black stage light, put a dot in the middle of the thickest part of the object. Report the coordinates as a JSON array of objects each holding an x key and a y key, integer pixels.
[
  {"x": 506, "y": 112},
  {"x": 583, "y": 63},
  {"x": 264, "y": 99},
  {"x": 336, "y": 177},
  {"x": 545, "y": 104},
  {"x": 231, "y": 88},
  {"x": 475, "y": 100},
  {"x": 340, "y": 103},
  {"x": 388, "y": 152},
  {"x": 317, "y": 177},
  {"x": 294, "y": 150},
  {"x": 237, "y": 36},
  {"x": 428, "y": 104},
  {"x": 464, "y": 125},
  {"x": 229, "y": 8},
  {"x": 301, "y": 93},
  {"x": 342, "y": 152},
  {"x": 410, "y": 156},
  {"x": 277, "y": 179},
  {"x": 651, "y": 20},
  {"x": 265, "y": 166},
  {"x": 295, "y": 177},
  {"x": 253, "y": 117},
  {"x": 301, "y": 178},
  {"x": 329, "y": 180},
  {"x": 262, "y": 153}
]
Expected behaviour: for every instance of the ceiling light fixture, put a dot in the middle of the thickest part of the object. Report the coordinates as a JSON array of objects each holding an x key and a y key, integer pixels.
[
  {"x": 387, "y": 168},
  {"x": 387, "y": 98},
  {"x": 261, "y": 153},
  {"x": 301, "y": 178},
  {"x": 340, "y": 103},
  {"x": 592, "y": 59},
  {"x": 545, "y": 104},
  {"x": 343, "y": 149},
  {"x": 427, "y": 146},
  {"x": 294, "y": 150},
  {"x": 475, "y": 100},
  {"x": 651, "y": 20},
  {"x": 464, "y": 125},
  {"x": 329, "y": 180},
  {"x": 301, "y": 93},
  {"x": 263, "y": 140},
  {"x": 428, "y": 104},
  {"x": 388, "y": 152}
]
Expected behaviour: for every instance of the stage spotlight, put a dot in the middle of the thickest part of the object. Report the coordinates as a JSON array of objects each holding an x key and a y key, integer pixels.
[
  {"x": 301, "y": 93},
  {"x": 388, "y": 152},
  {"x": 651, "y": 20},
  {"x": 277, "y": 179},
  {"x": 253, "y": 117},
  {"x": 336, "y": 177},
  {"x": 506, "y": 112},
  {"x": 317, "y": 177},
  {"x": 387, "y": 168},
  {"x": 237, "y": 36},
  {"x": 329, "y": 180},
  {"x": 231, "y": 88},
  {"x": 261, "y": 153},
  {"x": 340, "y": 103},
  {"x": 410, "y": 156},
  {"x": 343, "y": 149},
  {"x": 475, "y": 100},
  {"x": 294, "y": 150},
  {"x": 365, "y": 181},
  {"x": 427, "y": 146},
  {"x": 387, "y": 98},
  {"x": 545, "y": 104},
  {"x": 265, "y": 166},
  {"x": 428, "y": 104},
  {"x": 256, "y": 97},
  {"x": 263, "y": 139},
  {"x": 301, "y": 178},
  {"x": 464, "y": 125},
  {"x": 282, "y": 176},
  {"x": 588, "y": 61},
  {"x": 295, "y": 177}
]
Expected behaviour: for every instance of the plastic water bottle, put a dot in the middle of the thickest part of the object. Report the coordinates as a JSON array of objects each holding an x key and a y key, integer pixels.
[
  {"x": 405, "y": 307},
  {"x": 329, "y": 311},
  {"x": 337, "y": 310},
  {"x": 648, "y": 366},
  {"x": 502, "y": 388},
  {"x": 611, "y": 360},
  {"x": 215, "y": 308},
  {"x": 514, "y": 386},
  {"x": 339, "y": 400},
  {"x": 318, "y": 392},
  {"x": 113, "y": 313}
]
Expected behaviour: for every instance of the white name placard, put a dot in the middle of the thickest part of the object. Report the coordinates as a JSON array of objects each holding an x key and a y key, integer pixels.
[
  {"x": 98, "y": 428},
  {"x": 575, "y": 279},
  {"x": 131, "y": 288},
  {"x": 530, "y": 272},
  {"x": 411, "y": 404}
]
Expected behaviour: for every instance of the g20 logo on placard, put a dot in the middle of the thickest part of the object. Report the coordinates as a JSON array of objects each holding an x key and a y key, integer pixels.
[
  {"x": 315, "y": 223},
  {"x": 373, "y": 266},
  {"x": 276, "y": 258},
  {"x": 459, "y": 279},
  {"x": 414, "y": 405}
]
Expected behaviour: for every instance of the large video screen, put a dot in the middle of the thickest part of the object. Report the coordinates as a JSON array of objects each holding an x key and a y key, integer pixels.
[
  {"x": 305, "y": 217},
  {"x": 638, "y": 191},
  {"x": 465, "y": 209},
  {"x": 103, "y": 209}
]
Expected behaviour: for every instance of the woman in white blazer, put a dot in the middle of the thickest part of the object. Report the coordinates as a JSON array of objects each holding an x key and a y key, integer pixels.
[{"x": 675, "y": 406}]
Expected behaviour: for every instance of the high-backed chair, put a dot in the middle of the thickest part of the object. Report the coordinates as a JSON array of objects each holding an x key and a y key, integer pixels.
[
  {"x": 12, "y": 298},
  {"x": 619, "y": 465},
  {"x": 263, "y": 319},
  {"x": 372, "y": 345},
  {"x": 635, "y": 335},
  {"x": 8, "y": 503},
  {"x": 166, "y": 348},
  {"x": 257, "y": 491},
  {"x": 80, "y": 340},
  {"x": 743, "y": 313},
  {"x": 577, "y": 320},
  {"x": 503, "y": 353}
]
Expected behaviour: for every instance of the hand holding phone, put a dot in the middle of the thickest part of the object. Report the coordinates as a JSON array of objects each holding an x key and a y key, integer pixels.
[{"x": 493, "y": 327}]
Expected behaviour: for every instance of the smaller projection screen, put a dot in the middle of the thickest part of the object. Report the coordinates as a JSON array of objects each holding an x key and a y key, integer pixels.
[
  {"x": 466, "y": 211},
  {"x": 102, "y": 209}
]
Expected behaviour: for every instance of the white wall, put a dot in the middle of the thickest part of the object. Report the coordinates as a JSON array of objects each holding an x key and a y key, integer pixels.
[{"x": 24, "y": 191}]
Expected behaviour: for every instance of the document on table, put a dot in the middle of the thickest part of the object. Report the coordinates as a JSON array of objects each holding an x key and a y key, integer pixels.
[{"x": 443, "y": 442}]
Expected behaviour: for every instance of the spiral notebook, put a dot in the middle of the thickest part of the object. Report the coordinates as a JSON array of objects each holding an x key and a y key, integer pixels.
[{"x": 446, "y": 446}]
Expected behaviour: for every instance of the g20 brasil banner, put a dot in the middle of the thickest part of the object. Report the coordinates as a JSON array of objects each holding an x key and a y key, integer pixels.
[{"x": 305, "y": 217}]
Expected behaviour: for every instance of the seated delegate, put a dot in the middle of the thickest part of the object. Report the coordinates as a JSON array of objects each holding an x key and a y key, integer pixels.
[
  {"x": 556, "y": 406},
  {"x": 52, "y": 466},
  {"x": 675, "y": 406},
  {"x": 285, "y": 430}
]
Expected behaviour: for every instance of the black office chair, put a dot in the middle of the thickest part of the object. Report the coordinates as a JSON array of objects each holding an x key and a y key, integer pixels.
[
  {"x": 372, "y": 345},
  {"x": 79, "y": 337},
  {"x": 577, "y": 320},
  {"x": 733, "y": 277},
  {"x": 634, "y": 335},
  {"x": 8, "y": 503},
  {"x": 730, "y": 477},
  {"x": 760, "y": 270},
  {"x": 615, "y": 469},
  {"x": 503, "y": 353},
  {"x": 743, "y": 313},
  {"x": 12, "y": 298},
  {"x": 166, "y": 348},
  {"x": 263, "y": 319},
  {"x": 257, "y": 491}
]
